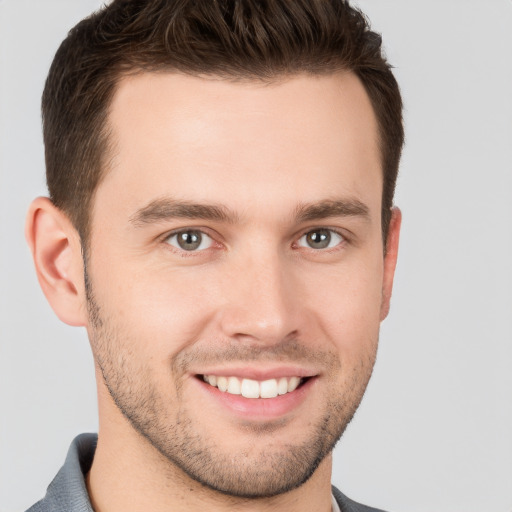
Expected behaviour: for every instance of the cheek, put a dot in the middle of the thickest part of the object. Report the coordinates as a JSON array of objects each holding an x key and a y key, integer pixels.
[
  {"x": 347, "y": 304},
  {"x": 159, "y": 310}
]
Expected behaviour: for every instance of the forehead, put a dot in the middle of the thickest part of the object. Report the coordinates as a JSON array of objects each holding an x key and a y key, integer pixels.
[{"x": 299, "y": 139}]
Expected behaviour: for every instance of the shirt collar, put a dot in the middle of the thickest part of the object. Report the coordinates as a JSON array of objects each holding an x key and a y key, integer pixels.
[{"x": 68, "y": 492}]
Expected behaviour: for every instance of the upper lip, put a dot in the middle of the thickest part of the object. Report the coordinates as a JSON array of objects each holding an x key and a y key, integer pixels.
[{"x": 260, "y": 374}]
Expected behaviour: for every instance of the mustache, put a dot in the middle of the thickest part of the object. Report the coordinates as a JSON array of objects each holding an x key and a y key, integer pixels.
[{"x": 290, "y": 351}]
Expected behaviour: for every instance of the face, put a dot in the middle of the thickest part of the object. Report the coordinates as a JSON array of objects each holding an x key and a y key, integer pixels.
[{"x": 236, "y": 272}]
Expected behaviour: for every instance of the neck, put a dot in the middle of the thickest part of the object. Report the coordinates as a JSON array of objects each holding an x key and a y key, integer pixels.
[{"x": 128, "y": 473}]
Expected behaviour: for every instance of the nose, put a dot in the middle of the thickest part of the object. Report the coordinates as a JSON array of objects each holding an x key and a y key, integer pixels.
[{"x": 261, "y": 302}]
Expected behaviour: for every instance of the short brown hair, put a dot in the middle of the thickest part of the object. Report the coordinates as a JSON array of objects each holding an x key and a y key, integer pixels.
[{"x": 232, "y": 39}]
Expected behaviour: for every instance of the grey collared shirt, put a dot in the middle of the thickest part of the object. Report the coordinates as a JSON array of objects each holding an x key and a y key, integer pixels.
[{"x": 68, "y": 492}]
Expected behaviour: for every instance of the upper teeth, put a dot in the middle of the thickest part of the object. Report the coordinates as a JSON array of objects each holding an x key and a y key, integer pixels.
[{"x": 252, "y": 388}]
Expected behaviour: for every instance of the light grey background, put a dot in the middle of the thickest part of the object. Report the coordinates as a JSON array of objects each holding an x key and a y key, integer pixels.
[{"x": 434, "y": 432}]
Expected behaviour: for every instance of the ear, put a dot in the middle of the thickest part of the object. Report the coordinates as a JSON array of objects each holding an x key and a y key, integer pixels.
[
  {"x": 390, "y": 260},
  {"x": 56, "y": 249}
]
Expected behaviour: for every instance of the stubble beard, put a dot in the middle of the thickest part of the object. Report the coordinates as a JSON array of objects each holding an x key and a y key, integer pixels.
[{"x": 251, "y": 473}]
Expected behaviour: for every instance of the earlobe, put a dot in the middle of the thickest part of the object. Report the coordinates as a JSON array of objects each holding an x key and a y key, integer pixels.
[
  {"x": 56, "y": 250},
  {"x": 390, "y": 260}
]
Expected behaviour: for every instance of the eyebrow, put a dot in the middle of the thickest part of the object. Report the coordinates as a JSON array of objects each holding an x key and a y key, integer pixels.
[
  {"x": 164, "y": 209},
  {"x": 332, "y": 208}
]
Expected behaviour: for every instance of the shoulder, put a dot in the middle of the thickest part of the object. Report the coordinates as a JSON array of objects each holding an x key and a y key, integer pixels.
[{"x": 348, "y": 505}]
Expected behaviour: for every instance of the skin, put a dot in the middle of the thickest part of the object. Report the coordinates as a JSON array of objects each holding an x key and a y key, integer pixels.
[{"x": 255, "y": 299}]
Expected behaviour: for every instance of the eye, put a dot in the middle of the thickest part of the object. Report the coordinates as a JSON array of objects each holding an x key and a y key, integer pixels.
[
  {"x": 320, "y": 239},
  {"x": 190, "y": 240}
]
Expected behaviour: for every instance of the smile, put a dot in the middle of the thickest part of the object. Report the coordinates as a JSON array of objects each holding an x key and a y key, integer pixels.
[{"x": 250, "y": 388}]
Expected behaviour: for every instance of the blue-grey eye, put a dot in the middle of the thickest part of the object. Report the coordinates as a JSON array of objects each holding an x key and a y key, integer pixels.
[
  {"x": 190, "y": 240},
  {"x": 320, "y": 239}
]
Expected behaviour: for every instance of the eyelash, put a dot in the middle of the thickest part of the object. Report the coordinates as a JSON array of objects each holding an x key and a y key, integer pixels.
[
  {"x": 344, "y": 239},
  {"x": 183, "y": 252}
]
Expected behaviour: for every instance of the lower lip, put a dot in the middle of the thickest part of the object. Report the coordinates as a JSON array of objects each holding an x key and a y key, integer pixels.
[{"x": 260, "y": 408}]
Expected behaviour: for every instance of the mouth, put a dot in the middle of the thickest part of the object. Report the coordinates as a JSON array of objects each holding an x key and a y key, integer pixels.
[{"x": 250, "y": 388}]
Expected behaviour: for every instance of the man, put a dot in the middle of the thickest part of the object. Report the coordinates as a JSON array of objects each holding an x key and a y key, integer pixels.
[{"x": 220, "y": 219}]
